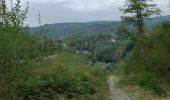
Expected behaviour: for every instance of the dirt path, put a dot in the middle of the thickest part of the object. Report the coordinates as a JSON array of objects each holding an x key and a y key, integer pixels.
[
  {"x": 116, "y": 94},
  {"x": 50, "y": 57}
]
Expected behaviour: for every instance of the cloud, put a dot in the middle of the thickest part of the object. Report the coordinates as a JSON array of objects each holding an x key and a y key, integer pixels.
[
  {"x": 80, "y": 4},
  {"x": 47, "y": 1},
  {"x": 89, "y": 4}
]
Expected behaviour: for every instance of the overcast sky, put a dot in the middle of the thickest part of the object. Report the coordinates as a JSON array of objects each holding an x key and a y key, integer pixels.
[{"x": 57, "y": 11}]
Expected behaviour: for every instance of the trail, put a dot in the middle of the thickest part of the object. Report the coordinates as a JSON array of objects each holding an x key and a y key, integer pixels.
[
  {"x": 116, "y": 94},
  {"x": 50, "y": 57}
]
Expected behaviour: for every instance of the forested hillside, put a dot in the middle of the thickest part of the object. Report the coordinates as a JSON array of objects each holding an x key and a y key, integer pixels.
[
  {"x": 85, "y": 28},
  {"x": 81, "y": 28}
]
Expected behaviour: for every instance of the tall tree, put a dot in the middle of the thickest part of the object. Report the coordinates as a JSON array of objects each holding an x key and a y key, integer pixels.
[{"x": 138, "y": 11}]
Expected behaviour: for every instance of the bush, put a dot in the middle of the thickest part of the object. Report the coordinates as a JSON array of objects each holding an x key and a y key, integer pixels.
[
  {"x": 148, "y": 81},
  {"x": 65, "y": 75}
]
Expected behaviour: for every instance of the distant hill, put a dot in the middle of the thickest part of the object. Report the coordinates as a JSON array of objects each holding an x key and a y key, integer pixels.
[
  {"x": 59, "y": 29},
  {"x": 82, "y": 28},
  {"x": 156, "y": 20}
]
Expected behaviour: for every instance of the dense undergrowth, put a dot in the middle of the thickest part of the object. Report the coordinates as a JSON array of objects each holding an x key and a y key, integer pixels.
[
  {"x": 65, "y": 76},
  {"x": 148, "y": 65}
]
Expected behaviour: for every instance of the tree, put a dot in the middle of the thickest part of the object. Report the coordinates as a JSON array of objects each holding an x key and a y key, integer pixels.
[
  {"x": 13, "y": 37},
  {"x": 138, "y": 11},
  {"x": 14, "y": 16}
]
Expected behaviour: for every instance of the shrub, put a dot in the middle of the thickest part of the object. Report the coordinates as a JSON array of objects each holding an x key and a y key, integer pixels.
[{"x": 66, "y": 75}]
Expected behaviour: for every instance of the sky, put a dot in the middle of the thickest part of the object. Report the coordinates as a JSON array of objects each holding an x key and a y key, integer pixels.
[{"x": 62, "y": 11}]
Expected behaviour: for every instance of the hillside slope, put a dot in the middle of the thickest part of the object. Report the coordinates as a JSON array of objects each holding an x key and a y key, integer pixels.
[
  {"x": 91, "y": 27},
  {"x": 82, "y": 28},
  {"x": 149, "y": 64}
]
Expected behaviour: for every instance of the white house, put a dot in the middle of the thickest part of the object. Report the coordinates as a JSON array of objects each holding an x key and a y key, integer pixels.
[{"x": 114, "y": 37}]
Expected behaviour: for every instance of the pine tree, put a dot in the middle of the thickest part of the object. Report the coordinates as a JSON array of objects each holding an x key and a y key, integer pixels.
[{"x": 138, "y": 11}]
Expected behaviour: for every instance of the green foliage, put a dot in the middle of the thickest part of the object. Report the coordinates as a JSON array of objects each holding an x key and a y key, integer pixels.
[
  {"x": 12, "y": 37},
  {"x": 140, "y": 10},
  {"x": 17, "y": 47},
  {"x": 99, "y": 47},
  {"x": 35, "y": 67},
  {"x": 147, "y": 80},
  {"x": 67, "y": 75},
  {"x": 29, "y": 70},
  {"x": 149, "y": 63}
]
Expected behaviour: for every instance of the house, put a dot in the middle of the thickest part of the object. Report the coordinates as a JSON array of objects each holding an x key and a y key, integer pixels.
[{"x": 114, "y": 37}]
